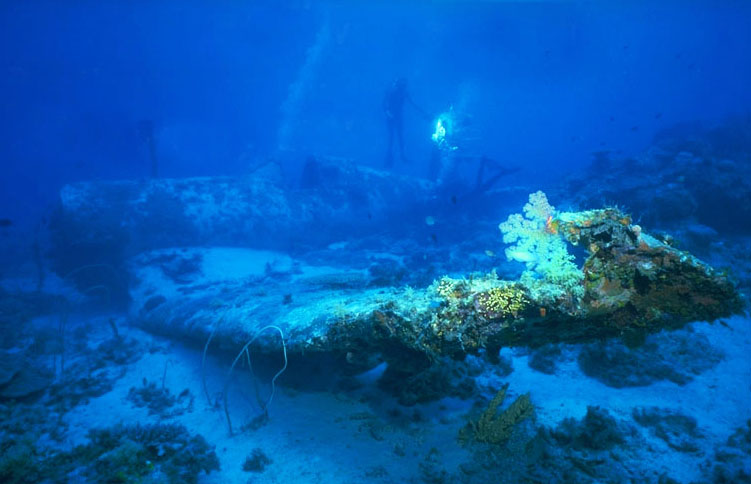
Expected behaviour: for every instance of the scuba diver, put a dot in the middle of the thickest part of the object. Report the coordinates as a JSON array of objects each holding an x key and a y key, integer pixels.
[
  {"x": 147, "y": 134},
  {"x": 393, "y": 107},
  {"x": 451, "y": 165},
  {"x": 445, "y": 153}
]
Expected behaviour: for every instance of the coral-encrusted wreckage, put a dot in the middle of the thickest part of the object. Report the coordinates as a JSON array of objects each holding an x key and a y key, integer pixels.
[
  {"x": 630, "y": 284},
  {"x": 626, "y": 284}
]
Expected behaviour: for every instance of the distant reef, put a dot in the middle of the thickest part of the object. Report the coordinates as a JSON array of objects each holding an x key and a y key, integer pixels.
[{"x": 692, "y": 173}]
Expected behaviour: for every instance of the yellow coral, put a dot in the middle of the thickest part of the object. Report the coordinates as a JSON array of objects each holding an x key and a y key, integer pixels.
[
  {"x": 501, "y": 302},
  {"x": 445, "y": 287},
  {"x": 449, "y": 288}
]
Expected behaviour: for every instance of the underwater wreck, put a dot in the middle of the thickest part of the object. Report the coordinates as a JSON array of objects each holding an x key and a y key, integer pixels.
[{"x": 630, "y": 284}]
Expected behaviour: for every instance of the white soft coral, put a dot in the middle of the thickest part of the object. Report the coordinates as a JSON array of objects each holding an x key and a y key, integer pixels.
[{"x": 544, "y": 252}]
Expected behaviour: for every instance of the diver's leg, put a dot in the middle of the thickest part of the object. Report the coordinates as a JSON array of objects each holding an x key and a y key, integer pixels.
[
  {"x": 390, "y": 149},
  {"x": 447, "y": 166},
  {"x": 400, "y": 135}
]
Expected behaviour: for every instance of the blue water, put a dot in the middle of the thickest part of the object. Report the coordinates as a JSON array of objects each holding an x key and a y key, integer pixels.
[{"x": 248, "y": 164}]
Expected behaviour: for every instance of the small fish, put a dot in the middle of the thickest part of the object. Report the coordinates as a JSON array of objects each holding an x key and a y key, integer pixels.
[
  {"x": 5, "y": 222},
  {"x": 634, "y": 128},
  {"x": 490, "y": 253},
  {"x": 453, "y": 199},
  {"x": 658, "y": 115},
  {"x": 612, "y": 118},
  {"x": 429, "y": 220},
  {"x": 434, "y": 237}
]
